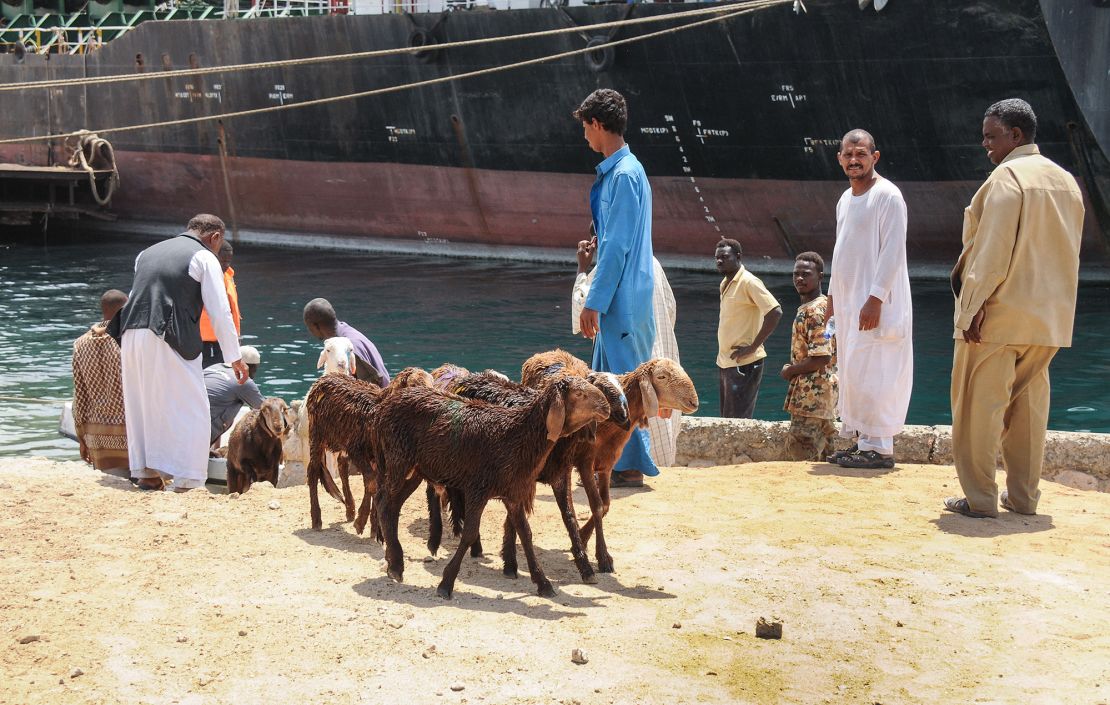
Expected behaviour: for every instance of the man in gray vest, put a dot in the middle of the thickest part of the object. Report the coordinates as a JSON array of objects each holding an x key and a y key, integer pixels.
[{"x": 165, "y": 401}]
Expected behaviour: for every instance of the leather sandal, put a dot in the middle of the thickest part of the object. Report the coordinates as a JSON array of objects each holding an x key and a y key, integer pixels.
[
  {"x": 960, "y": 506},
  {"x": 834, "y": 458},
  {"x": 1004, "y": 500},
  {"x": 150, "y": 484},
  {"x": 622, "y": 479}
]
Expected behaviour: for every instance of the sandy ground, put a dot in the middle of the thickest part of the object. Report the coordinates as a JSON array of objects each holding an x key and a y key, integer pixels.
[{"x": 131, "y": 597}]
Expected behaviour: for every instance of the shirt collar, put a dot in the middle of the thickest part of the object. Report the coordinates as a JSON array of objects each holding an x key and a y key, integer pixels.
[
  {"x": 611, "y": 161},
  {"x": 726, "y": 283},
  {"x": 1023, "y": 151}
]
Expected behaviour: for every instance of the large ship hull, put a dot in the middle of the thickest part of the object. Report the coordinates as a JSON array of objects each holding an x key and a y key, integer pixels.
[{"x": 736, "y": 122}]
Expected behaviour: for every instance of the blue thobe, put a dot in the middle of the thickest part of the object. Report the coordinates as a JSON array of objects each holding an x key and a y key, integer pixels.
[{"x": 623, "y": 281}]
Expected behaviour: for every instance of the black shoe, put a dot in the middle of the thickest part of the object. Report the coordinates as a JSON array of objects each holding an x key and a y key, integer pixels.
[
  {"x": 866, "y": 459},
  {"x": 834, "y": 458}
]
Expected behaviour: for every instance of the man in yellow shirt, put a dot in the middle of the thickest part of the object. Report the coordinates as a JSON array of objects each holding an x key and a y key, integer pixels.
[
  {"x": 749, "y": 313},
  {"x": 1015, "y": 285}
]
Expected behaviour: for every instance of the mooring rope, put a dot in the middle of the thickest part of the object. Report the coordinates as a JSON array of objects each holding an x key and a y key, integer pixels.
[
  {"x": 746, "y": 9},
  {"x": 377, "y": 53}
]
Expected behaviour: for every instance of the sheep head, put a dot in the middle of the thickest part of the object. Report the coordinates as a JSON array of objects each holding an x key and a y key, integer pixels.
[
  {"x": 338, "y": 355},
  {"x": 610, "y": 386},
  {"x": 575, "y": 403},
  {"x": 412, "y": 377},
  {"x": 665, "y": 386},
  {"x": 275, "y": 417}
]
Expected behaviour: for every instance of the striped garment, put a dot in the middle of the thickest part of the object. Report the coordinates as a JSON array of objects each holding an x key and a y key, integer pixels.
[{"x": 663, "y": 432}]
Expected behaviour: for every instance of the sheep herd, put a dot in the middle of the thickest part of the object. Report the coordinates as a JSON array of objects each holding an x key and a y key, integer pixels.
[{"x": 476, "y": 437}]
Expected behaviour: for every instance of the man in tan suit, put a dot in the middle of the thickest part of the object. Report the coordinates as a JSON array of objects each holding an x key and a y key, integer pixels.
[{"x": 1015, "y": 285}]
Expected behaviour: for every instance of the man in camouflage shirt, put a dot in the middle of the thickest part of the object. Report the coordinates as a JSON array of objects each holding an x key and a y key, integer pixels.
[{"x": 811, "y": 396}]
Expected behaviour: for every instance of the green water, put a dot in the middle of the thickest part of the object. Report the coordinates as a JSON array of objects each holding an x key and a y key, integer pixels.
[{"x": 428, "y": 310}]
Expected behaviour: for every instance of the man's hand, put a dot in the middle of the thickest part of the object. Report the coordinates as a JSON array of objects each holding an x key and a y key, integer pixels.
[
  {"x": 787, "y": 373},
  {"x": 870, "y": 314},
  {"x": 242, "y": 374},
  {"x": 739, "y": 352},
  {"x": 974, "y": 334},
  {"x": 585, "y": 254},
  {"x": 589, "y": 322}
]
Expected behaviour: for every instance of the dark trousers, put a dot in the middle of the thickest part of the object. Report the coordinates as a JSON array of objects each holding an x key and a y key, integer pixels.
[
  {"x": 740, "y": 389},
  {"x": 210, "y": 354}
]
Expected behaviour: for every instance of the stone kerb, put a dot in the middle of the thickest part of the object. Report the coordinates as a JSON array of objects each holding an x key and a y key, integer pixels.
[{"x": 1080, "y": 460}]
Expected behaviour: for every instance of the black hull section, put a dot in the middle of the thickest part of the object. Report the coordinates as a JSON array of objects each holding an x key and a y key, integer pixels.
[{"x": 737, "y": 123}]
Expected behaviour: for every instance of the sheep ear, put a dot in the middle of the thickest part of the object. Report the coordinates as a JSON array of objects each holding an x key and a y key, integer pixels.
[
  {"x": 323, "y": 356},
  {"x": 651, "y": 401},
  {"x": 352, "y": 364},
  {"x": 556, "y": 415}
]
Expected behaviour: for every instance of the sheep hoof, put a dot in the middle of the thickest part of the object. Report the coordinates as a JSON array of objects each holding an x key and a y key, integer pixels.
[
  {"x": 359, "y": 526},
  {"x": 444, "y": 592},
  {"x": 545, "y": 589},
  {"x": 396, "y": 575},
  {"x": 590, "y": 579},
  {"x": 605, "y": 565},
  {"x": 509, "y": 572}
]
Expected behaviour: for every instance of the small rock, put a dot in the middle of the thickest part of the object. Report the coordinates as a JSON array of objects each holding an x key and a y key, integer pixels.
[
  {"x": 76, "y": 672},
  {"x": 29, "y": 638},
  {"x": 233, "y": 495},
  {"x": 579, "y": 656},
  {"x": 457, "y": 687},
  {"x": 61, "y": 681},
  {"x": 710, "y": 673},
  {"x": 204, "y": 680},
  {"x": 768, "y": 630},
  {"x": 900, "y": 624},
  {"x": 242, "y": 632},
  {"x": 429, "y": 651},
  {"x": 676, "y": 625},
  {"x": 429, "y": 558},
  {"x": 66, "y": 494},
  {"x": 396, "y": 623},
  {"x": 274, "y": 504},
  {"x": 181, "y": 638},
  {"x": 727, "y": 638},
  {"x": 439, "y": 692}
]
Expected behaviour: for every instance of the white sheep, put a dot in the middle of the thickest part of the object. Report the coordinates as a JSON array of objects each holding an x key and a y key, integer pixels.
[{"x": 338, "y": 355}]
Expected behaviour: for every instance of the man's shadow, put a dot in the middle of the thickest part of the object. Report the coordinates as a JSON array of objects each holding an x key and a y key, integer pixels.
[
  {"x": 823, "y": 469},
  {"x": 1007, "y": 523}
]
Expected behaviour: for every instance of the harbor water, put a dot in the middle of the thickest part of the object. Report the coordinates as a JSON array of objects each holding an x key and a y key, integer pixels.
[{"x": 426, "y": 310}]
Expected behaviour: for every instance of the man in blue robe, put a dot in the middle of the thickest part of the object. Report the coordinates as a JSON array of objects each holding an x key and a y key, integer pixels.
[{"x": 618, "y": 314}]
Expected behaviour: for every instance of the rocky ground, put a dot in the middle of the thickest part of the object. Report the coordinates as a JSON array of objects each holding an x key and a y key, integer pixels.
[{"x": 111, "y": 595}]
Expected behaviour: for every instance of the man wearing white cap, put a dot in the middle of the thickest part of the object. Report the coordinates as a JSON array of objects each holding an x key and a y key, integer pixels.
[{"x": 226, "y": 396}]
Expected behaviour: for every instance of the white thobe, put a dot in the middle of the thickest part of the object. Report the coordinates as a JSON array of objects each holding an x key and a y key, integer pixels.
[
  {"x": 663, "y": 432},
  {"x": 869, "y": 259},
  {"x": 165, "y": 401}
]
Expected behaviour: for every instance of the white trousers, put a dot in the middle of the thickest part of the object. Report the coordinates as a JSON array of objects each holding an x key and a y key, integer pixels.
[
  {"x": 166, "y": 408},
  {"x": 883, "y": 445}
]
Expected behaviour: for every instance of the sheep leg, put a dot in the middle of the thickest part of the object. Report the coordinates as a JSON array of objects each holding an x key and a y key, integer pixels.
[
  {"x": 369, "y": 487},
  {"x": 560, "y": 486},
  {"x": 598, "y": 494},
  {"x": 508, "y": 549},
  {"x": 343, "y": 464},
  {"x": 520, "y": 521},
  {"x": 457, "y": 501},
  {"x": 388, "y": 516},
  {"x": 435, "y": 520},
  {"x": 313, "y": 472},
  {"x": 475, "y": 505}
]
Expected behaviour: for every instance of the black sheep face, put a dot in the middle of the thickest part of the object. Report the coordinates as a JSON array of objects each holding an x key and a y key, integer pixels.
[{"x": 610, "y": 386}]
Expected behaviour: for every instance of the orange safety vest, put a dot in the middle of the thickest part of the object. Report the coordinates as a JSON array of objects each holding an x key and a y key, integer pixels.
[{"x": 207, "y": 333}]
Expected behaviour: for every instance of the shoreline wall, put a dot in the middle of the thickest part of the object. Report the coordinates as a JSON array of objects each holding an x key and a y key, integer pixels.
[{"x": 1079, "y": 460}]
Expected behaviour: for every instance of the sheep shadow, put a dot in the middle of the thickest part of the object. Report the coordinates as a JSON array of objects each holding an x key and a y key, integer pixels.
[
  {"x": 825, "y": 469},
  {"x": 334, "y": 535},
  {"x": 1007, "y": 524}
]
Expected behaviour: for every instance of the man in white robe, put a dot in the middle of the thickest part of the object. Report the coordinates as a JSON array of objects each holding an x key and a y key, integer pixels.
[
  {"x": 165, "y": 400},
  {"x": 663, "y": 431},
  {"x": 870, "y": 294}
]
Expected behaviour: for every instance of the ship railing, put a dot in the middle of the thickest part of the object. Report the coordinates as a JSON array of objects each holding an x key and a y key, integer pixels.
[
  {"x": 79, "y": 33},
  {"x": 302, "y": 8},
  {"x": 286, "y": 8}
]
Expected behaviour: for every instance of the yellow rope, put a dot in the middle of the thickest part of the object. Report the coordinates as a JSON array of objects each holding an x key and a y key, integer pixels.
[
  {"x": 408, "y": 86},
  {"x": 95, "y": 80}
]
